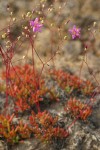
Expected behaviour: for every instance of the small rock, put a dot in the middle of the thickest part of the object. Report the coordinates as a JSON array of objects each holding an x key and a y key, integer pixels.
[{"x": 3, "y": 146}]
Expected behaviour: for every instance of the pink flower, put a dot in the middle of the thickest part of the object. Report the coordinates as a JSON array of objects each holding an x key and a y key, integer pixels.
[
  {"x": 75, "y": 32},
  {"x": 36, "y": 25}
]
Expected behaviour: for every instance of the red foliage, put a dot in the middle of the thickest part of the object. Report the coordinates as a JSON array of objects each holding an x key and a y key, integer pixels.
[
  {"x": 11, "y": 132},
  {"x": 45, "y": 126},
  {"x": 70, "y": 82},
  {"x": 24, "y": 86},
  {"x": 23, "y": 130},
  {"x": 78, "y": 108}
]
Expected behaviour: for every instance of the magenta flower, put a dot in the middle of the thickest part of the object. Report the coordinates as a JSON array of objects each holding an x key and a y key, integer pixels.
[
  {"x": 36, "y": 25},
  {"x": 75, "y": 32}
]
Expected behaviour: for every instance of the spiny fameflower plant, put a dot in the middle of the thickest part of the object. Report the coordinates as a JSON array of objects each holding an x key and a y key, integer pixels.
[{"x": 26, "y": 86}]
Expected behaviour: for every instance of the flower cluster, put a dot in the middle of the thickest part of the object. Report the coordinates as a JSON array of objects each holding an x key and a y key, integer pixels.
[
  {"x": 36, "y": 25},
  {"x": 75, "y": 32}
]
